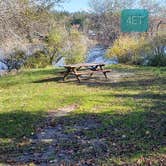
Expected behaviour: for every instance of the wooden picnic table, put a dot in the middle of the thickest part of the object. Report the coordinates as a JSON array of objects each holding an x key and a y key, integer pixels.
[{"x": 84, "y": 69}]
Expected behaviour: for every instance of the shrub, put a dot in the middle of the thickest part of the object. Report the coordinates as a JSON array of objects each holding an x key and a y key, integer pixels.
[
  {"x": 135, "y": 50},
  {"x": 37, "y": 60},
  {"x": 157, "y": 60},
  {"x": 75, "y": 50},
  {"x": 128, "y": 49},
  {"x": 14, "y": 60}
]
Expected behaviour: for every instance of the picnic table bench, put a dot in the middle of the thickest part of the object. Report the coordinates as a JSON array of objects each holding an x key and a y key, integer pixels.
[{"x": 84, "y": 69}]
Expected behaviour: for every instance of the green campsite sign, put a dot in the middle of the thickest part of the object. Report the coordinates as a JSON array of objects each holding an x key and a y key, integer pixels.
[{"x": 134, "y": 20}]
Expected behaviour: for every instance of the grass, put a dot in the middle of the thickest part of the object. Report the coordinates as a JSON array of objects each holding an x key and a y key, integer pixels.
[{"x": 131, "y": 112}]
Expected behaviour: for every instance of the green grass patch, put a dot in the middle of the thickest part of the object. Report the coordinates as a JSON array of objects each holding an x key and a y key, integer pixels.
[{"x": 130, "y": 111}]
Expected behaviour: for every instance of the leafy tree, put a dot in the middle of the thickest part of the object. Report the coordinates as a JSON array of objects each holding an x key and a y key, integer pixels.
[
  {"x": 71, "y": 45},
  {"x": 55, "y": 43},
  {"x": 76, "y": 47}
]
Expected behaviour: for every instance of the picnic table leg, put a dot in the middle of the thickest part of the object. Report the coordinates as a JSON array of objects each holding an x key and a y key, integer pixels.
[
  {"x": 66, "y": 74},
  {"x": 91, "y": 74},
  {"x": 93, "y": 68},
  {"x": 105, "y": 74},
  {"x": 64, "y": 78},
  {"x": 101, "y": 67},
  {"x": 77, "y": 78},
  {"x": 74, "y": 70}
]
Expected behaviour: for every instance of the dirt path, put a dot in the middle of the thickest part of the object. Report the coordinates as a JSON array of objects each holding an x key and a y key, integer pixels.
[{"x": 61, "y": 142}]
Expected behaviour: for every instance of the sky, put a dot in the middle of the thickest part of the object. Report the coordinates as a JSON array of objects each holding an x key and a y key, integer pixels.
[{"x": 75, "y": 5}]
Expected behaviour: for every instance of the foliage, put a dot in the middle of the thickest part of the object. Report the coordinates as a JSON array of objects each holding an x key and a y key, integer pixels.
[
  {"x": 79, "y": 18},
  {"x": 21, "y": 19},
  {"x": 76, "y": 47},
  {"x": 14, "y": 60},
  {"x": 58, "y": 43},
  {"x": 125, "y": 48},
  {"x": 136, "y": 49},
  {"x": 37, "y": 60},
  {"x": 55, "y": 42},
  {"x": 72, "y": 45},
  {"x": 157, "y": 60},
  {"x": 158, "y": 42},
  {"x": 105, "y": 16}
]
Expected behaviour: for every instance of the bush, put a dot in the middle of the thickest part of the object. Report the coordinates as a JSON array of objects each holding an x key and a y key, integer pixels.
[
  {"x": 157, "y": 60},
  {"x": 37, "y": 60},
  {"x": 76, "y": 48},
  {"x": 128, "y": 49},
  {"x": 14, "y": 60},
  {"x": 135, "y": 50}
]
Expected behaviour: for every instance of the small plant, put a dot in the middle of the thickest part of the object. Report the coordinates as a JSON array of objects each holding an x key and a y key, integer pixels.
[{"x": 37, "y": 60}]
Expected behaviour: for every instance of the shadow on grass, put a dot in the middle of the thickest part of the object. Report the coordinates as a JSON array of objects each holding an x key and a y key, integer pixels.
[
  {"x": 25, "y": 77},
  {"x": 138, "y": 83},
  {"x": 17, "y": 124},
  {"x": 128, "y": 84},
  {"x": 53, "y": 79},
  {"x": 88, "y": 137}
]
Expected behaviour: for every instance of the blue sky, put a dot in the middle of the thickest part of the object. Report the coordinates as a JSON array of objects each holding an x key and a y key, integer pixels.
[{"x": 75, "y": 5}]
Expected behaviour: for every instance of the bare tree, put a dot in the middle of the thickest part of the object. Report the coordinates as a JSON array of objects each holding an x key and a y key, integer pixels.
[
  {"x": 21, "y": 24},
  {"x": 19, "y": 19},
  {"x": 105, "y": 18}
]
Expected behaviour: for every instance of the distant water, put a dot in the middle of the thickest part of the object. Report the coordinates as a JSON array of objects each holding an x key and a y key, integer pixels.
[
  {"x": 95, "y": 55},
  {"x": 2, "y": 66}
]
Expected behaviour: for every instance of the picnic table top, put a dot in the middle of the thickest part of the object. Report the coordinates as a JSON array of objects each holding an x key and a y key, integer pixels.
[{"x": 84, "y": 65}]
